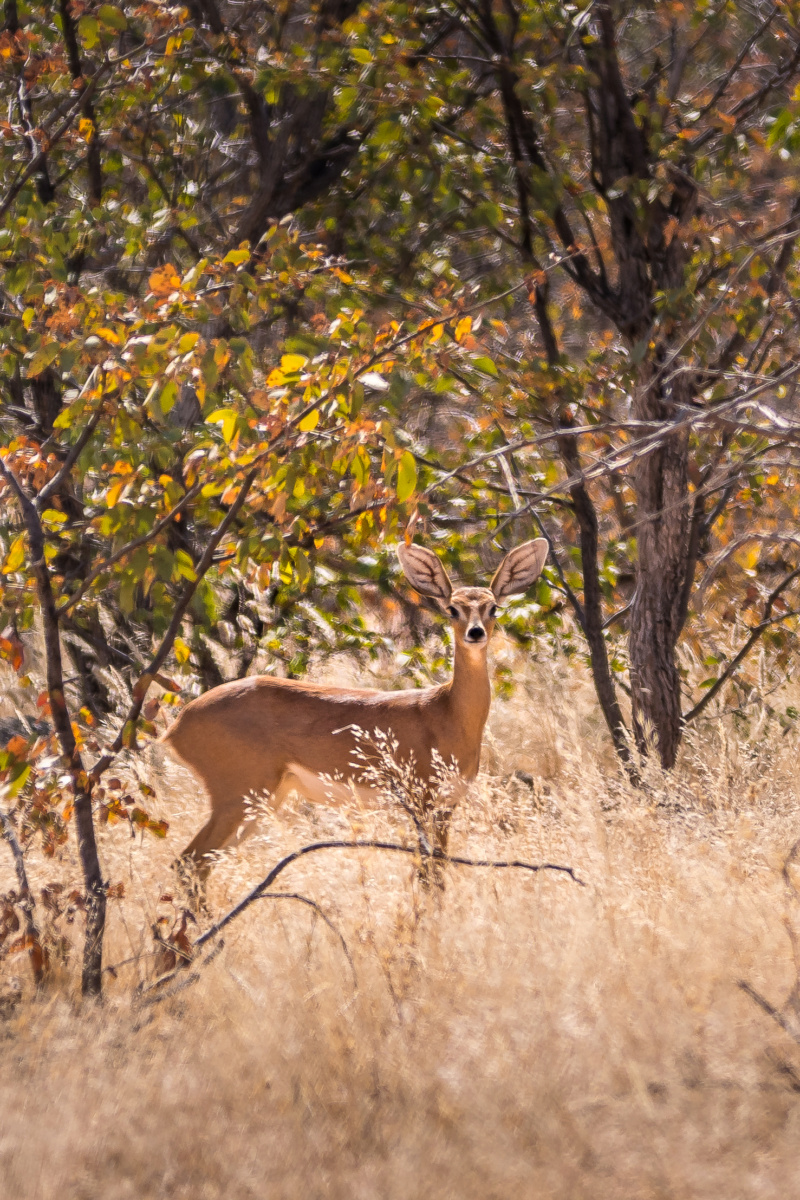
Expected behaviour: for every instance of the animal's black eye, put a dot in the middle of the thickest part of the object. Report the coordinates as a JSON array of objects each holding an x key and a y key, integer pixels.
[
  {"x": 453, "y": 611},
  {"x": 493, "y": 610}
]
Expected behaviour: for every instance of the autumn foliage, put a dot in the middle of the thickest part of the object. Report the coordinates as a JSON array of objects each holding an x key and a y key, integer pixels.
[{"x": 280, "y": 288}]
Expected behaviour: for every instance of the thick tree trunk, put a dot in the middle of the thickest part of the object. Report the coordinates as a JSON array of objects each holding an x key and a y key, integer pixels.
[{"x": 662, "y": 532}]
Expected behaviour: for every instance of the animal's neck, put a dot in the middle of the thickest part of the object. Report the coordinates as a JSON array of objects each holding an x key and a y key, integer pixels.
[{"x": 470, "y": 693}]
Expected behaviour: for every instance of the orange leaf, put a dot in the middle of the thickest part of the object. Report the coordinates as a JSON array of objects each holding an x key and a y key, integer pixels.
[
  {"x": 462, "y": 328},
  {"x": 165, "y": 280}
]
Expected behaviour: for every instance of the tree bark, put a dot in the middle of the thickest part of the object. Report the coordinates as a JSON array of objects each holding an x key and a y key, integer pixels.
[
  {"x": 91, "y": 976},
  {"x": 94, "y": 167},
  {"x": 662, "y": 527}
]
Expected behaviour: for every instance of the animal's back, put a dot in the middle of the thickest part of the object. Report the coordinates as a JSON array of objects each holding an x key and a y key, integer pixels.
[{"x": 248, "y": 732}]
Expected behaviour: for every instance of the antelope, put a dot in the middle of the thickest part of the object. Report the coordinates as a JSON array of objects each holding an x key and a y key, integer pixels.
[{"x": 268, "y": 735}]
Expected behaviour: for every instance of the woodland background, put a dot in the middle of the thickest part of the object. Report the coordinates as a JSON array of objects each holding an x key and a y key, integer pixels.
[{"x": 285, "y": 283}]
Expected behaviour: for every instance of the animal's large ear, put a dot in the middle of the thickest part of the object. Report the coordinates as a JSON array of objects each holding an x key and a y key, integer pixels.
[
  {"x": 519, "y": 568},
  {"x": 424, "y": 572}
]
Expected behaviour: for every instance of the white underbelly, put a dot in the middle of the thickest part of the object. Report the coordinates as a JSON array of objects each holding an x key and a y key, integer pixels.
[{"x": 321, "y": 789}]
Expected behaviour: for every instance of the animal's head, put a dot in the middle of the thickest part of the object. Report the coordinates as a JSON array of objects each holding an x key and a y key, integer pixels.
[{"x": 473, "y": 610}]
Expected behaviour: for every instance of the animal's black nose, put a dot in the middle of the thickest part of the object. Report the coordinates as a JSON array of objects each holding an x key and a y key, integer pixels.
[{"x": 475, "y": 634}]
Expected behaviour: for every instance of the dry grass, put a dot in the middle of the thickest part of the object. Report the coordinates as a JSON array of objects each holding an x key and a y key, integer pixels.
[{"x": 519, "y": 1036}]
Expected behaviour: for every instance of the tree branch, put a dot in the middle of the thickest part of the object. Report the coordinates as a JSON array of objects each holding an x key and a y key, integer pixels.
[
  {"x": 755, "y": 633},
  {"x": 91, "y": 981},
  {"x": 128, "y": 548},
  {"x": 260, "y": 891},
  {"x": 26, "y": 900},
  {"x": 127, "y": 733},
  {"x": 73, "y": 455}
]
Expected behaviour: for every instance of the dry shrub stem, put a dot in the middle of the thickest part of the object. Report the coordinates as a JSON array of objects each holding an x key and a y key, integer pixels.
[{"x": 26, "y": 900}]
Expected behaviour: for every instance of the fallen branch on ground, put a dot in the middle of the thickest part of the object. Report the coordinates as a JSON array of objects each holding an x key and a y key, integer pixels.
[{"x": 260, "y": 892}]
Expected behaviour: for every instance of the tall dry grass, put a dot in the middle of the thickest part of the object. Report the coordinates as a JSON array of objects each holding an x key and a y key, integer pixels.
[{"x": 516, "y": 1036}]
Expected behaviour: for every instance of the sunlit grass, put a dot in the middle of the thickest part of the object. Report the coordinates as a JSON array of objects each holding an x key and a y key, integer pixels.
[{"x": 514, "y": 1036}]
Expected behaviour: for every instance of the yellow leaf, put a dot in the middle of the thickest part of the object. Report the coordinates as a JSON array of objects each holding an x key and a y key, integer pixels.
[
  {"x": 16, "y": 555},
  {"x": 310, "y": 421},
  {"x": 462, "y": 328},
  {"x": 182, "y": 651},
  {"x": 291, "y": 363},
  {"x": 237, "y": 257},
  {"x": 406, "y": 476},
  {"x": 86, "y": 129},
  {"x": 275, "y": 378},
  {"x": 114, "y": 492}
]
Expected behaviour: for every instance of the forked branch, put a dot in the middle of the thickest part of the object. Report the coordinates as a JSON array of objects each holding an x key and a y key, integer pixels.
[{"x": 261, "y": 890}]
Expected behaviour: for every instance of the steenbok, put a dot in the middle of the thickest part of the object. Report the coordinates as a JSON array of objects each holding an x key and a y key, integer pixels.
[{"x": 272, "y": 735}]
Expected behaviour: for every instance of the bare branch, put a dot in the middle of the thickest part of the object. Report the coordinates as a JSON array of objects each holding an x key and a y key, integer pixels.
[
  {"x": 26, "y": 900},
  {"x": 261, "y": 892},
  {"x": 755, "y": 633}
]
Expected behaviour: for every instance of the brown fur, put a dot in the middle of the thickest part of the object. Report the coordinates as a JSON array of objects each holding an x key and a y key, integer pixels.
[{"x": 271, "y": 735}]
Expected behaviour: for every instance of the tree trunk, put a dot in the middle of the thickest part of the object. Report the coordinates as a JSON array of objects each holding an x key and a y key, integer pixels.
[
  {"x": 662, "y": 531},
  {"x": 92, "y": 974}
]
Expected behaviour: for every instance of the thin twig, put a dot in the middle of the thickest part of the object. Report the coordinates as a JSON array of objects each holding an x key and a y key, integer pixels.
[
  {"x": 26, "y": 900},
  {"x": 73, "y": 455},
  {"x": 128, "y": 548},
  {"x": 768, "y": 1008},
  {"x": 755, "y": 633}
]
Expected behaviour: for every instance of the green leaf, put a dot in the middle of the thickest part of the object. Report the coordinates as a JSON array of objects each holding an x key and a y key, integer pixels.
[
  {"x": 639, "y": 350},
  {"x": 346, "y": 97},
  {"x": 406, "y": 476},
  {"x": 18, "y": 779},
  {"x": 237, "y": 257},
  {"x": 486, "y": 365},
  {"x": 113, "y": 17},
  {"x": 169, "y": 394},
  {"x": 126, "y": 590},
  {"x": 42, "y": 359},
  {"x": 88, "y": 29},
  {"x": 361, "y": 54}
]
